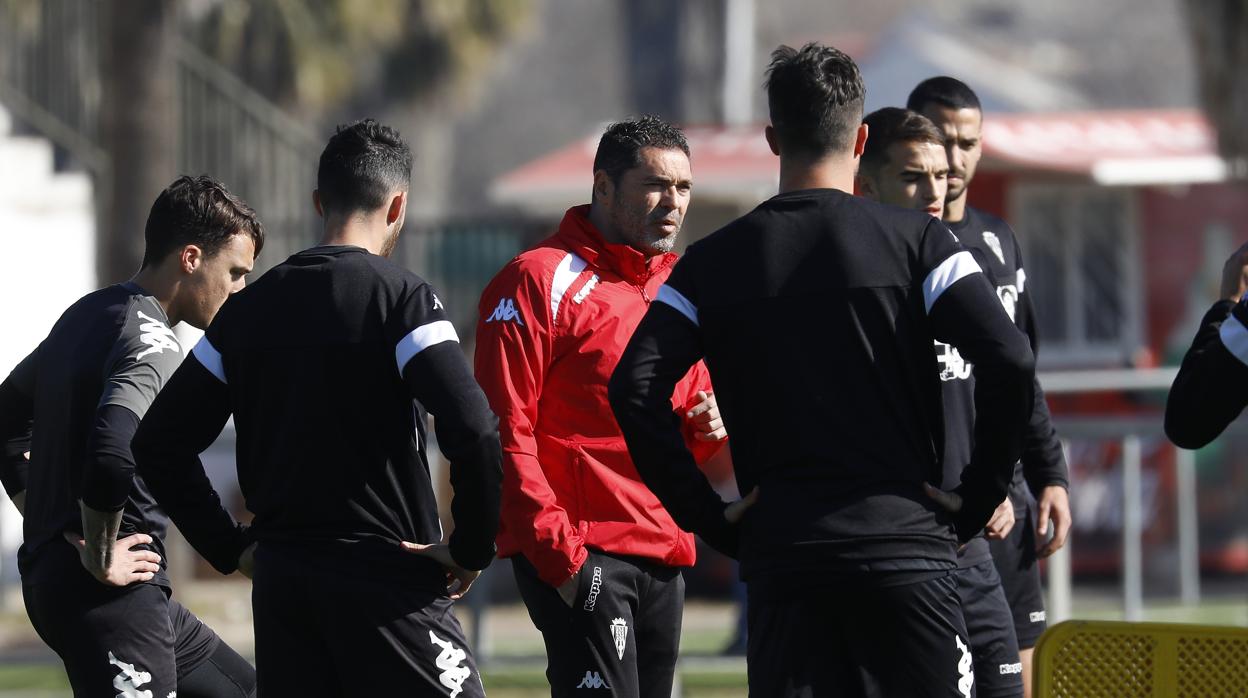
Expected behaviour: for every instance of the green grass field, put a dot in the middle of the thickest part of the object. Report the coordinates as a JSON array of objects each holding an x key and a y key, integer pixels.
[
  {"x": 517, "y": 669},
  {"x": 48, "y": 681}
]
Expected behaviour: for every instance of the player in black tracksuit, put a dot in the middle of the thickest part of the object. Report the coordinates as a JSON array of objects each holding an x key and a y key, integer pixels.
[
  {"x": 955, "y": 109},
  {"x": 995, "y": 626},
  {"x": 1211, "y": 388},
  {"x": 816, "y": 315},
  {"x": 104, "y": 606},
  {"x": 1043, "y": 464},
  {"x": 904, "y": 164},
  {"x": 328, "y": 364}
]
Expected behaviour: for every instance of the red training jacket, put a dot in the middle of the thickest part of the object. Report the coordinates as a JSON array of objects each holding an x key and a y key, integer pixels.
[{"x": 553, "y": 324}]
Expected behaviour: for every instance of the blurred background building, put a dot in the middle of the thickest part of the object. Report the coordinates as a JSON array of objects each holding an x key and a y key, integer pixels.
[{"x": 1112, "y": 144}]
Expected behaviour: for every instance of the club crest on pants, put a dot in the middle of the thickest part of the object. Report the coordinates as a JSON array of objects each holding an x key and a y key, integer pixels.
[{"x": 619, "y": 631}]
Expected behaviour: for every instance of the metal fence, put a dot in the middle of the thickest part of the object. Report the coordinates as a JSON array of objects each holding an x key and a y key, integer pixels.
[
  {"x": 49, "y": 72},
  {"x": 460, "y": 257},
  {"x": 1130, "y": 432},
  {"x": 262, "y": 154},
  {"x": 50, "y": 80}
]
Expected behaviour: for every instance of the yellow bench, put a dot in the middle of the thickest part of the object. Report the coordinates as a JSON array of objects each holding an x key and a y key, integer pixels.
[{"x": 1106, "y": 659}]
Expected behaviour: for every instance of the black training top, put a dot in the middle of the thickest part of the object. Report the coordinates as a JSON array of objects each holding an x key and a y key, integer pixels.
[
  {"x": 82, "y": 392},
  {"x": 1211, "y": 388},
  {"x": 328, "y": 363},
  {"x": 816, "y": 314},
  {"x": 1043, "y": 464}
]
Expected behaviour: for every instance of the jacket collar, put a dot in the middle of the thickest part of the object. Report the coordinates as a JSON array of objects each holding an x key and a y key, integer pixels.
[{"x": 584, "y": 239}]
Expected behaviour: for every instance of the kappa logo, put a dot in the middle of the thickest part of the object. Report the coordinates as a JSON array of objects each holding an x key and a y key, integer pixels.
[
  {"x": 1037, "y": 616},
  {"x": 156, "y": 335},
  {"x": 593, "y": 680},
  {"x": 129, "y": 680},
  {"x": 589, "y": 286},
  {"x": 953, "y": 366},
  {"x": 437, "y": 302},
  {"x": 595, "y": 586},
  {"x": 994, "y": 243},
  {"x": 1015, "y": 668},
  {"x": 449, "y": 661},
  {"x": 966, "y": 677},
  {"x": 619, "y": 631},
  {"x": 506, "y": 311}
]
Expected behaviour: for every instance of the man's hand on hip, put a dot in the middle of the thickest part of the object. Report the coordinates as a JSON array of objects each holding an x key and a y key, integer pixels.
[
  {"x": 458, "y": 579},
  {"x": 122, "y": 565},
  {"x": 998, "y": 527}
]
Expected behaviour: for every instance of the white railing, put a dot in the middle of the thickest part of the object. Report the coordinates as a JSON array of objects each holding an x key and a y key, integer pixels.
[{"x": 1130, "y": 430}]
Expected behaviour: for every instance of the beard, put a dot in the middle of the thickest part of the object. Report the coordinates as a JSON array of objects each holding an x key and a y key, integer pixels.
[
  {"x": 388, "y": 245},
  {"x": 660, "y": 244},
  {"x": 952, "y": 193},
  {"x": 634, "y": 230}
]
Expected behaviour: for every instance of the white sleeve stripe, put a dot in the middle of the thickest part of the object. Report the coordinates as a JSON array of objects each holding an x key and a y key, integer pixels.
[
  {"x": 1235, "y": 337},
  {"x": 569, "y": 268},
  {"x": 670, "y": 296},
  {"x": 947, "y": 274},
  {"x": 1022, "y": 280},
  {"x": 210, "y": 358},
  {"x": 421, "y": 339}
]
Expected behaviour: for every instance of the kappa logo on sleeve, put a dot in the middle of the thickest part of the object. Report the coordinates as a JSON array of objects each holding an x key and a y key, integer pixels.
[
  {"x": 506, "y": 311},
  {"x": 437, "y": 302},
  {"x": 156, "y": 335}
]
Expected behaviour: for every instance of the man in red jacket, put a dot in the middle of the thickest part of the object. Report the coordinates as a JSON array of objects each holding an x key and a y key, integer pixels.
[{"x": 596, "y": 556}]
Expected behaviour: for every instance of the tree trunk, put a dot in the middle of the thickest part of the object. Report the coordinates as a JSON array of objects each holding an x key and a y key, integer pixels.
[
  {"x": 136, "y": 126},
  {"x": 1219, "y": 33}
]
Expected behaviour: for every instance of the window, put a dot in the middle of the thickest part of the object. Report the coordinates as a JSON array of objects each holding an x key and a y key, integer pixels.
[{"x": 1083, "y": 272}]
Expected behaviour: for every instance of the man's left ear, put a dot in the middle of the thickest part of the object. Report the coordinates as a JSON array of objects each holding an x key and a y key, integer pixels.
[
  {"x": 397, "y": 209},
  {"x": 190, "y": 258}
]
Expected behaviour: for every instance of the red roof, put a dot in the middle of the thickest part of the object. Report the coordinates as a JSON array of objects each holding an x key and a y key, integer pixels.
[
  {"x": 734, "y": 162},
  {"x": 1107, "y": 145}
]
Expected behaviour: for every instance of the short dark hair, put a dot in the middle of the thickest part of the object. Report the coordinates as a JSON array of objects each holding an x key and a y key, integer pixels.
[
  {"x": 948, "y": 92},
  {"x": 363, "y": 163},
  {"x": 619, "y": 149},
  {"x": 197, "y": 211},
  {"x": 893, "y": 125},
  {"x": 815, "y": 97}
]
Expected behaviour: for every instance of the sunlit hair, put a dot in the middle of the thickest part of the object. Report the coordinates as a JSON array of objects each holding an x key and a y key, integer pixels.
[
  {"x": 363, "y": 163},
  {"x": 893, "y": 125},
  {"x": 815, "y": 97},
  {"x": 197, "y": 211},
  {"x": 619, "y": 149}
]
